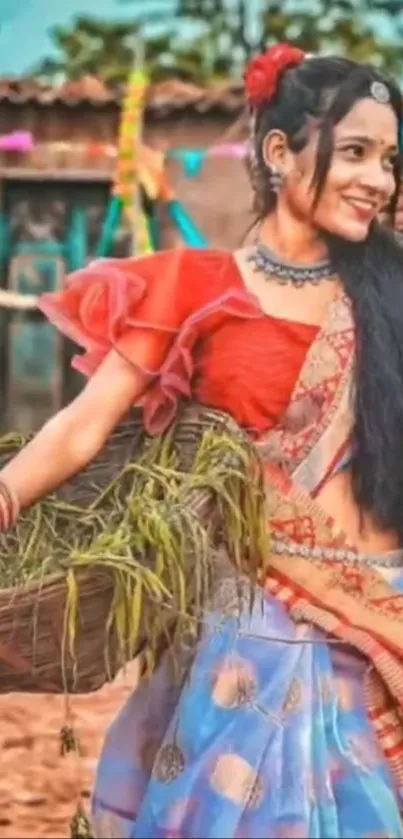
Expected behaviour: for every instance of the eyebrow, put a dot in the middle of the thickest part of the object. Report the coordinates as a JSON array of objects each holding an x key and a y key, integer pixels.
[{"x": 361, "y": 138}]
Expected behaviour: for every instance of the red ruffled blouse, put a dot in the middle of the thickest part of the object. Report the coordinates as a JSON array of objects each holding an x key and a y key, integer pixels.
[{"x": 207, "y": 337}]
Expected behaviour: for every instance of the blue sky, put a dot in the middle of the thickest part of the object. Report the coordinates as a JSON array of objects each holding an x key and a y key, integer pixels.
[{"x": 24, "y": 24}]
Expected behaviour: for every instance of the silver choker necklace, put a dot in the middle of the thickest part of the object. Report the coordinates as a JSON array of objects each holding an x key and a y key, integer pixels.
[{"x": 263, "y": 260}]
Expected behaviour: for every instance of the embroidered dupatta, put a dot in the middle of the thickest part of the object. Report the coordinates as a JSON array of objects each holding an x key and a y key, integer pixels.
[{"x": 349, "y": 601}]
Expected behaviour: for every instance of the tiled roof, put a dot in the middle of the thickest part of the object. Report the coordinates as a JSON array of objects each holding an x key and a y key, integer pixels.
[{"x": 163, "y": 97}]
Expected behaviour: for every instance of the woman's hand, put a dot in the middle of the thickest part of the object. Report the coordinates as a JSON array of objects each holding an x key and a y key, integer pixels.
[{"x": 73, "y": 437}]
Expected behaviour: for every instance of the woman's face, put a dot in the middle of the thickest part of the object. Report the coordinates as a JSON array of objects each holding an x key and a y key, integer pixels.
[{"x": 360, "y": 180}]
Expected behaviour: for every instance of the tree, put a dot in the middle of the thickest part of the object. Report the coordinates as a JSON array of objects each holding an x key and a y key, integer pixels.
[
  {"x": 349, "y": 27},
  {"x": 199, "y": 40},
  {"x": 98, "y": 47},
  {"x": 90, "y": 47},
  {"x": 105, "y": 49}
]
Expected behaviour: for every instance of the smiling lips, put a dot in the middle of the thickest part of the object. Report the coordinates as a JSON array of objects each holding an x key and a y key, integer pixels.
[{"x": 364, "y": 208}]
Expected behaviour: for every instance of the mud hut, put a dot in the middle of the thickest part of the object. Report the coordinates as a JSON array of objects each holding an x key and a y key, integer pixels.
[{"x": 57, "y": 163}]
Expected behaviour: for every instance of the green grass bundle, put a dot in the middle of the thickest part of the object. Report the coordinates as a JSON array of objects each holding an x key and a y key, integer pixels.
[{"x": 150, "y": 513}]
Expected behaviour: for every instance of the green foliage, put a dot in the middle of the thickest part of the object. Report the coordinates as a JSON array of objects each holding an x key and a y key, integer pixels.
[
  {"x": 91, "y": 47},
  {"x": 201, "y": 40},
  {"x": 104, "y": 49},
  {"x": 346, "y": 27}
]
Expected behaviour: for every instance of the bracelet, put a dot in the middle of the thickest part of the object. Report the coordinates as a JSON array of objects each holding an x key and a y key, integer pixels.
[{"x": 9, "y": 507}]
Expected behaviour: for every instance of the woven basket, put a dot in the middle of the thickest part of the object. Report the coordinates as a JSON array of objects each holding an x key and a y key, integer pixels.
[{"x": 31, "y": 618}]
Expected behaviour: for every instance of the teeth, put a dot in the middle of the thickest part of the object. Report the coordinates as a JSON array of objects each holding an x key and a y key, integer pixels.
[{"x": 361, "y": 202}]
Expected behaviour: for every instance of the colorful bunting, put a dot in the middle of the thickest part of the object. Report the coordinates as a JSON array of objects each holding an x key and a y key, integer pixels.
[
  {"x": 17, "y": 141},
  {"x": 193, "y": 160}
]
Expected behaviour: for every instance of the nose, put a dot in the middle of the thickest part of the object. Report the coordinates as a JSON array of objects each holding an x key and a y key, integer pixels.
[{"x": 376, "y": 178}]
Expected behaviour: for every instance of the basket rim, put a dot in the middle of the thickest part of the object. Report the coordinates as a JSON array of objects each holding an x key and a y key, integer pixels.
[{"x": 52, "y": 579}]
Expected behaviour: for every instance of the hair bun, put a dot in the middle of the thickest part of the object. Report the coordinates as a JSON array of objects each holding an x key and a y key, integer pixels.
[{"x": 263, "y": 73}]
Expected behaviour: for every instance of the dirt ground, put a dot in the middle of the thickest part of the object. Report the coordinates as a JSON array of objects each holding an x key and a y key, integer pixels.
[{"x": 38, "y": 787}]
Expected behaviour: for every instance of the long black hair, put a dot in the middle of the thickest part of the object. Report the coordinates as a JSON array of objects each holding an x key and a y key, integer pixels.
[{"x": 325, "y": 89}]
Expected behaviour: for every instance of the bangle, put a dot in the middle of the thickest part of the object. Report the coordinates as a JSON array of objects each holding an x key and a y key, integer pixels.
[{"x": 9, "y": 507}]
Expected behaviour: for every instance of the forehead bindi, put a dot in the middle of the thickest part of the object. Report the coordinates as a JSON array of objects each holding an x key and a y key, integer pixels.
[{"x": 372, "y": 121}]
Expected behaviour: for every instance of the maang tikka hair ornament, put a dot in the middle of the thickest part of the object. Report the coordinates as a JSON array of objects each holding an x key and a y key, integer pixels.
[{"x": 380, "y": 92}]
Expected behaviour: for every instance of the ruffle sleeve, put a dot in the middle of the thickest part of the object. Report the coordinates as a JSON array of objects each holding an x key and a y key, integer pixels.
[{"x": 172, "y": 297}]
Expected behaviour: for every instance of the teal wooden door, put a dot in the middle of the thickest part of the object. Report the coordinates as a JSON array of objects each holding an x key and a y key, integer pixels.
[
  {"x": 46, "y": 230},
  {"x": 35, "y": 348}
]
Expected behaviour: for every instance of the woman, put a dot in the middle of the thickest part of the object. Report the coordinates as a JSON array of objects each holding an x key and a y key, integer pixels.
[{"x": 289, "y": 722}]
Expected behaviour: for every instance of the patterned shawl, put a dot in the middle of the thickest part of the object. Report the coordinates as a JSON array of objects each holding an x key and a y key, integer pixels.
[{"x": 349, "y": 601}]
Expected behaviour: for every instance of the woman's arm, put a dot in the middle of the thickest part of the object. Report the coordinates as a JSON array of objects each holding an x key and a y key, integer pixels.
[
  {"x": 73, "y": 437},
  {"x": 136, "y": 308}
]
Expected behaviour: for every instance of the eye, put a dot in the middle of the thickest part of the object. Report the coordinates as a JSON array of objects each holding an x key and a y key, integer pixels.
[
  {"x": 390, "y": 161},
  {"x": 354, "y": 151}
]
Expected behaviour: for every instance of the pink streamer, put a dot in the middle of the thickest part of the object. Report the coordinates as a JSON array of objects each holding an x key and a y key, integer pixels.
[
  {"x": 19, "y": 141},
  {"x": 237, "y": 151}
]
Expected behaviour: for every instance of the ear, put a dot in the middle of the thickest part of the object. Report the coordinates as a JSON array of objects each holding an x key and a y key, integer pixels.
[{"x": 276, "y": 153}]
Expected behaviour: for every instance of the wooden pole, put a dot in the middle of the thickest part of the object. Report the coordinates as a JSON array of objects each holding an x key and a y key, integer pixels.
[{"x": 138, "y": 64}]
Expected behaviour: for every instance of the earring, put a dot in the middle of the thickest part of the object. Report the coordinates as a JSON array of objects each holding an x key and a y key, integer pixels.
[{"x": 276, "y": 179}]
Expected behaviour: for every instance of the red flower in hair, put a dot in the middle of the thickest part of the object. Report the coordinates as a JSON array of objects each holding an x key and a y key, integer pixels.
[{"x": 263, "y": 73}]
